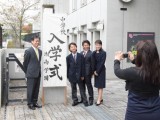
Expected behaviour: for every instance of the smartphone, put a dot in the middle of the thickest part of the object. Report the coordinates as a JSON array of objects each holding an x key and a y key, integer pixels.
[{"x": 125, "y": 55}]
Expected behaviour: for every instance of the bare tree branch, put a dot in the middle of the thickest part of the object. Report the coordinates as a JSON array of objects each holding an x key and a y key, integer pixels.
[
  {"x": 32, "y": 5},
  {"x": 15, "y": 15}
]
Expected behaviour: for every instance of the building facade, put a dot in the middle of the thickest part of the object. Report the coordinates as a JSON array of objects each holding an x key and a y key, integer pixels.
[{"x": 110, "y": 21}]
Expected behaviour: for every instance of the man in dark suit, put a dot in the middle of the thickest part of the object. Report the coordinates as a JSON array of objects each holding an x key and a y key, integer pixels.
[
  {"x": 75, "y": 73},
  {"x": 32, "y": 68},
  {"x": 87, "y": 53}
]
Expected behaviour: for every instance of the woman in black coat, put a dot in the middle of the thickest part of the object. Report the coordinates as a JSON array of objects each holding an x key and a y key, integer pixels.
[
  {"x": 142, "y": 82},
  {"x": 98, "y": 58}
]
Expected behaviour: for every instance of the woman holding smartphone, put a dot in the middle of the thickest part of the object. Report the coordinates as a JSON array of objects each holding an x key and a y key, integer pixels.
[{"x": 142, "y": 82}]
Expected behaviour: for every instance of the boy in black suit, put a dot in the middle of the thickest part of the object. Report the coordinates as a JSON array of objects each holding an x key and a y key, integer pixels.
[
  {"x": 87, "y": 53},
  {"x": 75, "y": 73}
]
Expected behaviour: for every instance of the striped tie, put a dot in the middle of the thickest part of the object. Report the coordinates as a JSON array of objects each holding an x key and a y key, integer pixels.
[{"x": 75, "y": 58}]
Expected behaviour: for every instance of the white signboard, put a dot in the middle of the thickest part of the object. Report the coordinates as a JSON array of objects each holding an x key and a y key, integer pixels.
[{"x": 54, "y": 50}]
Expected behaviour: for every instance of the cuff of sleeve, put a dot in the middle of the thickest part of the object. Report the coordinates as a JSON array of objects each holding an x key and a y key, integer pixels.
[
  {"x": 116, "y": 61},
  {"x": 133, "y": 61},
  {"x": 96, "y": 73}
]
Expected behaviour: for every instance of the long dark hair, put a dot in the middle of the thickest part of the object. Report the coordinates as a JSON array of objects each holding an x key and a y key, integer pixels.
[{"x": 148, "y": 60}]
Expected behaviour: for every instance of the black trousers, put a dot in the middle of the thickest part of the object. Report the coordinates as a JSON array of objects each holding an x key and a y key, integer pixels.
[
  {"x": 81, "y": 89},
  {"x": 87, "y": 82},
  {"x": 33, "y": 85}
]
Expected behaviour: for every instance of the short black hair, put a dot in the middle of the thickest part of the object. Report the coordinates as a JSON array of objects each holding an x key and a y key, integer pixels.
[
  {"x": 72, "y": 43},
  {"x": 98, "y": 42},
  {"x": 34, "y": 37},
  {"x": 86, "y": 41}
]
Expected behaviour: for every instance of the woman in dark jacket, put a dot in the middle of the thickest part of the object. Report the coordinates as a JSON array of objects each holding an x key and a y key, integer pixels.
[
  {"x": 98, "y": 59},
  {"x": 142, "y": 82}
]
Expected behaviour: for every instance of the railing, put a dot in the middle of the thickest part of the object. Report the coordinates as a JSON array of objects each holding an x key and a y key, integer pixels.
[
  {"x": 12, "y": 57},
  {"x": 8, "y": 88}
]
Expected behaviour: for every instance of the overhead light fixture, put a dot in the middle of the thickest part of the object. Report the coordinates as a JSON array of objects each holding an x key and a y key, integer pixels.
[
  {"x": 100, "y": 26},
  {"x": 126, "y": 1}
]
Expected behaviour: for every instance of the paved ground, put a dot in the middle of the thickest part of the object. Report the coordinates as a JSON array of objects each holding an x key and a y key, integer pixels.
[{"x": 113, "y": 107}]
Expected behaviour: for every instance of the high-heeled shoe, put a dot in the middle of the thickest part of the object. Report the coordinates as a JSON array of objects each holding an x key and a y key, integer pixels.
[
  {"x": 101, "y": 101},
  {"x": 97, "y": 104}
]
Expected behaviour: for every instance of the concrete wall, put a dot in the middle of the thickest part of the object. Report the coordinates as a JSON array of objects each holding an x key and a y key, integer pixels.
[
  {"x": 60, "y": 6},
  {"x": 12, "y": 65},
  {"x": 55, "y": 95},
  {"x": 141, "y": 16},
  {"x": 114, "y": 33}
]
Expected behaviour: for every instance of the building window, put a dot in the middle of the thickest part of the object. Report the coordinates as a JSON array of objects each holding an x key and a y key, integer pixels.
[
  {"x": 75, "y": 38},
  {"x": 74, "y": 5},
  {"x": 92, "y": 42},
  {"x": 84, "y": 36},
  {"x": 83, "y": 3},
  {"x": 95, "y": 35}
]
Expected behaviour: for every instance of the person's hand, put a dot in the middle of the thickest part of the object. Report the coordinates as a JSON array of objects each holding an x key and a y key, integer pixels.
[
  {"x": 82, "y": 78},
  {"x": 95, "y": 73},
  {"x": 92, "y": 75},
  {"x": 119, "y": 55},
  {"x": 130, "y": 56}
]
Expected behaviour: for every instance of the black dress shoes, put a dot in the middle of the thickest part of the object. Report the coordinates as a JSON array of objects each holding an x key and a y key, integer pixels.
[
  {"x": 86, "y": 104},
  {"x": 38, "y": 106},
  {"x": 80, "y": 101},
  {"x": 74, "y": 103},
  {"x": 31, "y": 107},
  {"x": 90, "y": 102}
]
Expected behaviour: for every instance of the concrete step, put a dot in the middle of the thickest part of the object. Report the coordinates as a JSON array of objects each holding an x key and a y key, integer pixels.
[{"x": 17, "y": 91}]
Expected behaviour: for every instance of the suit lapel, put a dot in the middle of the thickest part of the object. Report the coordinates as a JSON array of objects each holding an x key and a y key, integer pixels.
[
  {"x": 87, "y": 53},
  {"x": 77, "y": 58},
  {"x": 82, "y": 52},
  {"x": 71, "y": 56},
  {"x": 39, "y": 54}
]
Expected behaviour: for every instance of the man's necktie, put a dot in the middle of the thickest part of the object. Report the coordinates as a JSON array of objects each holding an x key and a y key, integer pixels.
[
  {"x": 84, "y": 54},
  {"x": 37, "y": 54},
  {"x": 75, "y": 58}
]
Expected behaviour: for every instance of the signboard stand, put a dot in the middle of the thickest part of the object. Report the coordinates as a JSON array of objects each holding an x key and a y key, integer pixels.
[
  {"x": 54, "y": 46},
  {"x": 65, "y": 100}
]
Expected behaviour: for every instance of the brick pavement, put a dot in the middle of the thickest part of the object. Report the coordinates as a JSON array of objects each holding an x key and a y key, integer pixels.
[{"x": 113, "y": 107}]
